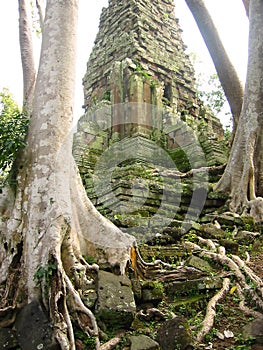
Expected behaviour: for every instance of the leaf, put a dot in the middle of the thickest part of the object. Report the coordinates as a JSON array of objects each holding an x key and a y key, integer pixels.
[{"x": 233, "y": 289}]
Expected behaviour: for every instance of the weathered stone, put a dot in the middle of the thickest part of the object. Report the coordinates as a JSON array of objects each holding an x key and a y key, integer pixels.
[
  {"x": 34, "y": 330},
  {"x": 246, "y": 237},
  {"x": 211, "y": 231},
  {"x": 8, "y": 339},
  {"x": 254, "y": 329},
  {"x": 142, "y": 342},
  {"x": 248, "y": 221},
  {"x": 116, "y": 306},
  {"x": 137, "y": 324},
  {"x": 171, "y": 253},
  {"x": 139, "y": 58},
  {"x": 199, "y": 264},
  {"x": 197, "y": 226},
  {"x": 152, "y": 292},
  {"x": 228, "y": 219},
  {"x": 89, "y": 297},
  {"x": 230, "y": 245},
  {"x": 137, "y": 289},
  {"x": 175, "y": 335},
  {"x": 175, "y": 289}
]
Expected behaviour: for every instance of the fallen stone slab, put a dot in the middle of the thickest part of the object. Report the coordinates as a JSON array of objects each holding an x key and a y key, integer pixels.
[
  {"x": 142, "y": 342},
  {"x": 8, "y": 339},
  {"x": 116, "y": 305},
  {"x": 175, "y": 334},
  {"x": 34, "y": 330}
]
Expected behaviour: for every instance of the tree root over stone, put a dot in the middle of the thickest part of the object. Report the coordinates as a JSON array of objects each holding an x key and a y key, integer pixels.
[
  {"x": 160, "y": 271},
  {"x": 68, "y": 307},
  {"x": 208, "y": 321},
  {"x": 235, "y": 267},
  {"x": 247, "y": 284}
]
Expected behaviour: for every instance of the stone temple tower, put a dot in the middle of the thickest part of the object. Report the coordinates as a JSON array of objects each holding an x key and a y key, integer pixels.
[
  {"x": 143, "y": 36},
  {"x": 139, "y": 58}
]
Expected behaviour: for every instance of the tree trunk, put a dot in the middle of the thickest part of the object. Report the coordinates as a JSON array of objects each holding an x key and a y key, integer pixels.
[
  {"x": 246, "y": 5},
  {"x": 52, "y": 222},
  {"x": 27, "y": 55},
  {"x": 243, "y": 176},
  {"x": 40, "y": 7},
  {"x": 228, "y": 77}
]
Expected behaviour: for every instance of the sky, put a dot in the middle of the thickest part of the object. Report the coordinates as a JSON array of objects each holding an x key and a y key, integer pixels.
[{"x": 228, "y": 15}]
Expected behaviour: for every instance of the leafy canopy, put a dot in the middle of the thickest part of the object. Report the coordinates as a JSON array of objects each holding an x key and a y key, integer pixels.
[{"x": 13, "y": 129}]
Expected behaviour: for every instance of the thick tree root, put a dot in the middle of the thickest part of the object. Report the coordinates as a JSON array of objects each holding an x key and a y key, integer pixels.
[
  {"x": 235, "y": 269},
  {"x": 248, "y": 285},
  {"x": 243, "y": 306},
  {"x": 111, "y": 344},
  {"x": 66, "y": 307},
  {"x": 208, "y": 321},
  {"x": 160, "y": 271},
  {"x": 250, "y": 274},
  {"x": 79, "y": 306}
]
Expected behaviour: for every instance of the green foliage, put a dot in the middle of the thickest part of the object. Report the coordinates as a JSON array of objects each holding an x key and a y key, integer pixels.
[
  {"x": 213, "y": 95},
  {"x": 90, "y": 259},
  {"x": 158, "y": 286},
  {"x": 209, "y": 336},
  {"x": 106, "y": 96},
  {"x": 89, "y": 343},
  {"x": 241, "y": 343},
  {"x": 44, "y": 274},
  {"x": 13, "y": 128},
  {"x": 140, "y": 70},
  {"x": 228, "y": 133}
]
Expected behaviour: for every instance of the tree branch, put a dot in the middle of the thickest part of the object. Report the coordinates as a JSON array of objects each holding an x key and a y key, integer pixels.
[
  {"x": 41, "y": 13},
  {"x": 246, "y": 5},
  {"x": 226, "y": 72}
]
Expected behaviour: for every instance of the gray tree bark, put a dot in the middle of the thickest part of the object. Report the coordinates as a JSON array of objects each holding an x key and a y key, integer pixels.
[
  {"x": 243, "y": 176},
  {"x": 228, "y": 77},
  {"x": 51, "y": 221},
  {"x": 40, "y": 7},
  {"x": 246, "y": 5},
  {"x": 27, "y": 54}
]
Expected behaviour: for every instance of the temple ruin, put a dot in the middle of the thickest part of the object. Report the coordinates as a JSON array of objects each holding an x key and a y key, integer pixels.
[{"x": 139, "y": 94}]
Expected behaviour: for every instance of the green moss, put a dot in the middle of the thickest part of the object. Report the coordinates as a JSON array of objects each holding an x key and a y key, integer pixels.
[{"x": 89, "y": 343}]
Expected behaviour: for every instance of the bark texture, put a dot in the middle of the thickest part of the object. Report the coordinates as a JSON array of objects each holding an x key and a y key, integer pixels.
[
  {"x": 228, "y": 77},
  {"x": 246, "y": 5},
  {"x": 40, "y": 7},
  {"x": 243, "y": 176},
  {"x": 52, "y": 223},
  {"x": 27, "y": 55}
]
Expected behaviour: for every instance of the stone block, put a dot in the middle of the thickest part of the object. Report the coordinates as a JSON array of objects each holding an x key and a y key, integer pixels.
[
  {"x": 254, "y": 329},
  {"x": 152, "y": 292},
  {"x": 199, "y": 264},
  {"x": 175, "y": 334},
  {"x": 190, "y": 287},
  {"x": 116, "y": 305},
  {"x": 34, "y": 330},
  {"x": 8, "y": 339},
  {"x": 142, "y": 342}
]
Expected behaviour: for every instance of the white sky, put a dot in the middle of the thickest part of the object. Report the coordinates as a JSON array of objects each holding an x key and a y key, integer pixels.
[{"x": 229, "y": 16}]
